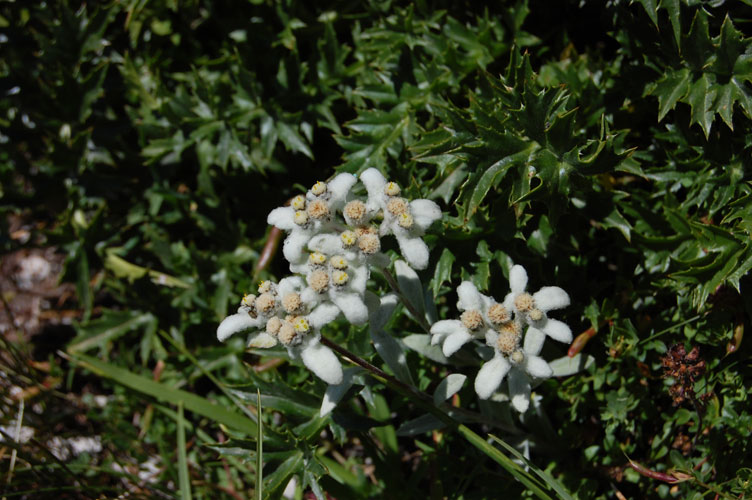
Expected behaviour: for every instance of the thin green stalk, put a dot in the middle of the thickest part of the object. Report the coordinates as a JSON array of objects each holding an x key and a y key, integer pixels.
[
  {"x": 672, "y": 327},
  {"x": 183, "y": 476},
  {"x": 259, "y": 450}
]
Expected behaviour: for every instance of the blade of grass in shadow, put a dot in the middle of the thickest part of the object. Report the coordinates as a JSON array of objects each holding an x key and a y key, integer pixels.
[
  {"x": 185, "y": 484},
  {"x": 545, "y": 476},
  {"x": 192, "y": 402},
  {"x": 259, "y": 449},
  {"x": 208, "y": 375}
]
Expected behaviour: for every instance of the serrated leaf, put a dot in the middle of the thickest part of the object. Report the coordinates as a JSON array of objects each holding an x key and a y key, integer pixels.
[
  {"x": 292, "y": 139},
  {"x": 491, "y": 177},
  {"x": 651, "y": 8},
  {"x": 669, "y": 89},
  {"x": 443, "y": 271},
  {"x": 110, "y": 326},
  {"x": 701, "y": 98},
  {"x": 674, "y": 15},
  {"x": 616, "y": 220},
  {"x": 696, "y": 46}
]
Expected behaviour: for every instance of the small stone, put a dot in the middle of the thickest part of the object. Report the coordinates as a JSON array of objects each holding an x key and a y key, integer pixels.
[
  {"x": 318, "y": 281},
  {"x": 472, "y": 319}
]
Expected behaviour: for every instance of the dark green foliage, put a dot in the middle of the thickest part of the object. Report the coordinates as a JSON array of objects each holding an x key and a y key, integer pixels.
[{"x": 148, "y": 141}]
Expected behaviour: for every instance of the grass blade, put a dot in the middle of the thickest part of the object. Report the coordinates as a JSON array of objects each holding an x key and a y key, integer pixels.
[
  {"x": 259, "y": 449},
  {"x": 192, "y": 402},
  {"x": 185, "y": 484},
  {"x": 545, "y": 476}
]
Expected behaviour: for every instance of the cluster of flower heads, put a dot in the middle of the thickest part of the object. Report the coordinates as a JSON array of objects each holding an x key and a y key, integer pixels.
[
  {"x": 515, "y": 329},
  {"x": 333, "y": 239}
]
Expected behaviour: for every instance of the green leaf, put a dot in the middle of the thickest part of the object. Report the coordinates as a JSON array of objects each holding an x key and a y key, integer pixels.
[
  {"x": 110, "y": 326},
  {"x": 443, "y": 271},
  {"x": 183, "y": 474},
  {"x": 283, "y": 472},
  {"x": 448, "y": 387},
  {"x": 674, "y": 15},
  {"x": 162, "y": 392},
  {"x": 421, "y": 343},
  {"x": 701, "y": 98},
  {"x": 651, "y": 7},
  {"x": 410, "y": 287},
  {"x": 697, "y": 47},
  {"x": 669, "y": 89},
  {"x": 293, "y": 140},
  {"x": 259, "y": 450},
  {"x": 491, "y": 177}
]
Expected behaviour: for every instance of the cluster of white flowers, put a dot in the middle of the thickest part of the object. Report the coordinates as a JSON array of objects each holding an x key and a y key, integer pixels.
[
  {"x": 334, "y": 239},
  {"x": 501, "y": 325}
]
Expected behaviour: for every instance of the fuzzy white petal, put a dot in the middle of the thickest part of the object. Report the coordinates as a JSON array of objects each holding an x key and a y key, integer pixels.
[
  {"x": 359, "y": 278},
  {"x": 424, "y": 213},
  {"x": 322, "y": 362},
  {"x": 262, "y": 340},
  {"x": 289, "y": 285},
  {"x": 339, "y": 187},
  {"x": 293, "y": 246},
  {"x": 509, "y": 301},
  {"x": 309, "y": 296},
  {"x": 282, "y": 217},
  {"x": 374, "y": 183},
  {"x": 517, "y": 279},
  {"x": 519, "y": 391},
  {"x": 235, "y": 323},
  {"x": 441, "y": 329},
  {"x": 323, "y": 315},
  {"x": 456, "y": 340},
  {"x": 537, "y": 367},
  {"x": 551, "y": 297},
  {"x": 328, "y": 244},
  {"x": 334, "y": 393},
  {"x": 557, "y": 331},
  {"x": 491, "y": 337},
  {"x": 352, "y": 306},
  {"x": 534, "y": 339},
  {"x": 490, "y": 376},
  {"x": 414, "y": 250},
  {"x": 469, "y": 297}
]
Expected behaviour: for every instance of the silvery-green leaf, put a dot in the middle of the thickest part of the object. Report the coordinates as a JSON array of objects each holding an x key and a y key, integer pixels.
[
  {"x": 448, "y": 387},
  {"x": 421, "y": 343},
  {"x": 380, "y": 309},
  {"x": 392, "y": 351},
  {"x": 565, "y": 366},
  {"x": 334, "y": 393},
  {"x": 410, "y": 285},
  {"x": 424, "y": 423}
]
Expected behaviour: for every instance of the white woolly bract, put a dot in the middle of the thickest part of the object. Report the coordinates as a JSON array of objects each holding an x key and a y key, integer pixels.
[
  {"x": 550, "y": 297},
  {"x": 490, "y": 376},
  {"x": 413, "y": 249},
  {"x": 236, "y": 323},
  {"x": 424, "y": 213},
  {"x": 321, "y": 361}
]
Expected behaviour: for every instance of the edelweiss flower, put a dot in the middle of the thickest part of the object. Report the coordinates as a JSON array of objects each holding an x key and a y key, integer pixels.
[
  {"x": 406, "y": 220},
  {"x": 480, "y": 315},
  {"x": 517, "y": 361},
  {"x": 532, "y": 309},
  {"x": 337, "y": 279},
  {"x": 310, "y": 214},
  {"x": 290, "y": 319}
]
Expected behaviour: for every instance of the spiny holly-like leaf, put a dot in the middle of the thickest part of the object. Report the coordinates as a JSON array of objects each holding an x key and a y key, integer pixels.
[
  {"x": 669, "y": 89},
  {"x": 701, "y": 98}
]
